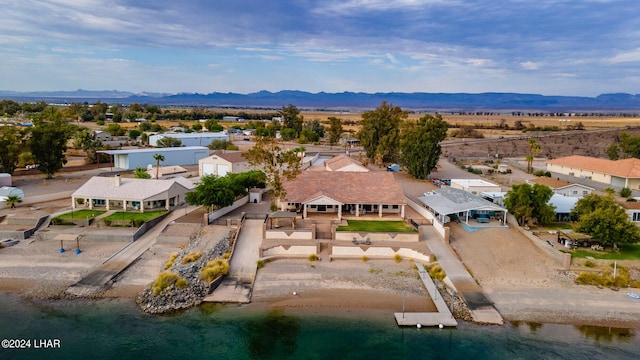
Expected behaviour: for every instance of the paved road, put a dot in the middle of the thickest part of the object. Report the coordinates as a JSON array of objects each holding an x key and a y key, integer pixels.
[{"x": 99, "y": 279}]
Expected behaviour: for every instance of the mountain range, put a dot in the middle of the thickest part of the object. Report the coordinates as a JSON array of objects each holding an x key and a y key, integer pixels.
[{"x": 491, "y": 101}]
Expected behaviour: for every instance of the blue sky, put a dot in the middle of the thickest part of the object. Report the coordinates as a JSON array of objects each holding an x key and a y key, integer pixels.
[{"x": 551, "y": 47}]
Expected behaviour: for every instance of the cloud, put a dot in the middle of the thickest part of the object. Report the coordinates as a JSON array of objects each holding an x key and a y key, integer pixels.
[{"x": 530, "y": 65}]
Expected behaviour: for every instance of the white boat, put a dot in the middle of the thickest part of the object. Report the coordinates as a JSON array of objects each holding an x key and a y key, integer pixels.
[{"x": 633, "y": 295}]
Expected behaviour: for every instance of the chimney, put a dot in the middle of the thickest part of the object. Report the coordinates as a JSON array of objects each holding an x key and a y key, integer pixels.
[{"x": 117, "y": 180}]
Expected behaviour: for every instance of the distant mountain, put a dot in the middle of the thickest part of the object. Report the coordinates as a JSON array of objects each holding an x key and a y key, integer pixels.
[{"x": 350, "y": 100}]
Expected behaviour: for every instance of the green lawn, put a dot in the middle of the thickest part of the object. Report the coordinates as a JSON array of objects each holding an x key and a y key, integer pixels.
[
  {"x": 627, "y": 252},
  {"x": 557, "y": 226},
  {"x": 133, "y": 216},
  {"x": 81, "y": 214},
  {"x": 377, "y": 226}
]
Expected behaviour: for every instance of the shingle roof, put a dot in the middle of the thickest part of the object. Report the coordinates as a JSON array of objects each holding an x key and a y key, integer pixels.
[
  {"x": 340, "y": 161},
  {"x": 232, "y": 157},
  {"x": 627, "y": 168},
  {"x": 130, "y": 188},
  {"x": 346, "y": 187}
]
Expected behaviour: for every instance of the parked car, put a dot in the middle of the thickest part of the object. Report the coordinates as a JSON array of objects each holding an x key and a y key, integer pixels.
[{"x": 393, "y": 167}]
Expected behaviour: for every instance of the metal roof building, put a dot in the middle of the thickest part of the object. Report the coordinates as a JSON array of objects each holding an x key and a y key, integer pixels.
[
  {"x": 190, "y": 139},
  {"x": 131, "y": 158}
]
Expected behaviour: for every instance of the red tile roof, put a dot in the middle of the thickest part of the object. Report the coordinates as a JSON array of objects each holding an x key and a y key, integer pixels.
[
  {"x": 627, "y": 168},
  {"x": 375, "y": 187},
  {"x": 340, "y": 161}
]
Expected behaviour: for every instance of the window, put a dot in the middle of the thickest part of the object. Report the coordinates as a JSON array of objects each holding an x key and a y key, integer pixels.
[
  {"x": 636, "y": 216},
  {"x": 575, "y": 192},
  {"x": 585, "y": 192},
  {"x": 394, "y": 207}
]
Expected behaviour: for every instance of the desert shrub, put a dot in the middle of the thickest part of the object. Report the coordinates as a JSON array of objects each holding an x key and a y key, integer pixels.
[
  {"x": 167, "y": 279},
  {"x": 364, "y": 258},
  {"x": 589, "y": 264},
  {"x": 191, "y": 257},
  {"x": 214, "y": 268},
  {"x": 539, "y": 173},
  {"x": 260, "y": 264},
  {"x": 397, "y": 258},
  {"x": 138, "y": 222},
  {"x": 606, "y": 278},
  {"x": 226, "y": 255},
  {"x": 436, "y": 272},
  {"x": 172, "y": 259},
  {"x": 313, "y": 257}
]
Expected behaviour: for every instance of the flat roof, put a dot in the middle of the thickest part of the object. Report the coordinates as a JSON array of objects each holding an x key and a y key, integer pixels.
[
  {"x": 193, "y": 135},
  {"x": 447, "y": 200},
  {"x": 472, "y": 182},
  {"x": 154, "y": 150}
]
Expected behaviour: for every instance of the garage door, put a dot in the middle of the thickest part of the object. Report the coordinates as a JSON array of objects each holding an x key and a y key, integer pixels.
[
  {"x": 207, "y": 169},
  {"x": 223, "y": 169}
]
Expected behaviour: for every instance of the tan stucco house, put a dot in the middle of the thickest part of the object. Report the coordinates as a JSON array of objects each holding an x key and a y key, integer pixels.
[
  {"x": 617, "y": 173},
  {"x": 562, "y": 187},
  {"x": 337, "y": 192},
  {"x": 222, "y": 163},
  {"x": 130, "y": 194}
]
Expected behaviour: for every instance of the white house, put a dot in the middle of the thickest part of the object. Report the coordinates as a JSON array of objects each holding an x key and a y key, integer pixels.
[
  {"x": 475, "y": 186},
  {"x": 562, "y": 187},
  {"x": 190, "y": 139},
  {"x": 129, "y": 159},
  {"x": 222, "y": 163},
  {"x": 131, "y": 194}
]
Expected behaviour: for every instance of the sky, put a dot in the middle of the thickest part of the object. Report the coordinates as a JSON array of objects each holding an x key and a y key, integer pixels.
[{"x": 549, "y": 47}]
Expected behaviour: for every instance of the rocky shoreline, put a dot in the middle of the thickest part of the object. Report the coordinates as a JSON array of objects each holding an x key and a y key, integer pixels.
[{"x": 174, "y": 298}]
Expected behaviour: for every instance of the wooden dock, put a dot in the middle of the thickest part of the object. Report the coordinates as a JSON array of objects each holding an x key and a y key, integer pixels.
[{"x": 442, "y": 317}]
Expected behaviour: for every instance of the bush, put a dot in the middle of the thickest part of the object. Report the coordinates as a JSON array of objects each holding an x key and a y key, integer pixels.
[
  {"x": 589, "y": 264},
  {"x": 397, "y": 258},
  {"x": 365, "y": 259},
  {"x": 625, "y": 192},
  {"x": 138, "y": 222},
  {"x": 260, "y": 264},
  {"x": 436, "y": 272},
  {"x": 172, "y": 259},
  {"x": 167, "y": 279},
  {"x": 226, "y": 255},
  {"x": 191, "y": 257},
  {"x": 313, "y": 257},
  {"x": 214, "y": 268}
]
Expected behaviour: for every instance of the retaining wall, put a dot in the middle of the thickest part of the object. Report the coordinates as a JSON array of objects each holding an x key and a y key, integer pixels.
[
  {"x": 361, "y": 236},
  {"x": 225, "y": 210}
]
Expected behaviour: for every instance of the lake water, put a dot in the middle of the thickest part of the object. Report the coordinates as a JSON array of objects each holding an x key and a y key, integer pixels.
[{"x": 117, "y": 329}]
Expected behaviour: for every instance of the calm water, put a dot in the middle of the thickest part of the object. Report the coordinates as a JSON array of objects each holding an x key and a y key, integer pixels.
[{"x": 116, "y": 329}]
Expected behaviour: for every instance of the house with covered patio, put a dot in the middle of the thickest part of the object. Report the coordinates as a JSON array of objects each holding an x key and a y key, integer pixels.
[
  {"x": 352, "y": 193},
  {"x": 448, "y": 204},
  {"x": 130, "y": 194}
]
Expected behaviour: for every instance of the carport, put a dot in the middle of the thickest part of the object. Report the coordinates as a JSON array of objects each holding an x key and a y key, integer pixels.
[
  {"x": 448, "y": 202},
  {"x": 68, "y": 237}
]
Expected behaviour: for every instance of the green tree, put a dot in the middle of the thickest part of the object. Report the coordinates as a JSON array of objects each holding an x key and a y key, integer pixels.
[
  {"x": 219, "y": 192},
  {"x": 86, "y": 140},
  {"x": 380, "y": 132},
  {"x": 630, "y": 145},
  {"x": 308, "y": 135},
  {"x": 287, "y": 134},
  {"x": 141, "y": 173},
  {"x": 222, "y": 145},
  {"x": 115, "y": 130},
  {"x": 315, "y": 126},
  {"x": 528, "y": 202},
  {"x": 277, "y": 163},
  {"x": 534, "y": 149},
  {"x": 168, "y": 141},
  {"x": 134, "y": 133},
  {"x": 9, "y": 107},
  {"x": 213, "y": 126},
  {"x": 604, "y": 220},
  {"x": 613, "y": 152},
  {"x": 335, "y": 130},
  {"x": 48, "y": 143},
  {"x": 420, "y": 144},
  {"x": 11, "y": 144},
  {"x": 12, "y": 200},
  {"x": 158, "y": 158},
  {"x": 292, "y": 118}
]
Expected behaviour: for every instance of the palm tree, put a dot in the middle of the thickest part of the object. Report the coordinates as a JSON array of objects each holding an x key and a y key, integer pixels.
[
  {"x": 12, "y": 200},
  {"x": 158, "y": 158}
]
